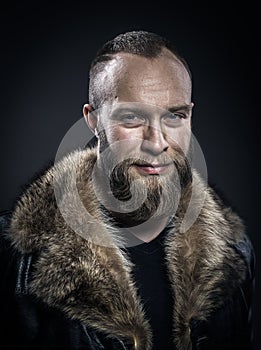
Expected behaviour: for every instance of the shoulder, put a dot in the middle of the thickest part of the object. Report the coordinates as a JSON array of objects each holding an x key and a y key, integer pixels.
[
  {"x": 9, "y": 257},
  {"x": 245, "y": 249},
  {"x": 240, "y": 240},
  {"x": 5, "y": 217},
  {"x": 231, "y": 238}
]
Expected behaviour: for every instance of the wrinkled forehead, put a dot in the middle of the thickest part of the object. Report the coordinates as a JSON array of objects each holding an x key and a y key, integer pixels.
[{"x": 161, "y": 81}]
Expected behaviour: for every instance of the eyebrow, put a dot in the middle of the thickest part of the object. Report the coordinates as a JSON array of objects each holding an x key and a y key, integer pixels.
[{"x": 185, "y": 107}]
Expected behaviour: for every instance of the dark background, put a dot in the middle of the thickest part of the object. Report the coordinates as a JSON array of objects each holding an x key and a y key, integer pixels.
[{"x": 46, "y": 50}]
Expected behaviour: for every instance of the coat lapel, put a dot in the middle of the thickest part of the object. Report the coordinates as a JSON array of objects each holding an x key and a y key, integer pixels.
[{"x": 203, "y": 266}]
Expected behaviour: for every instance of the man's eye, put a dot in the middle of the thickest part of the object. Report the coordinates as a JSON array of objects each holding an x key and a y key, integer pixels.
[
  {"x": 173, "y": 119},
  {"x": 132, "y": 120}
]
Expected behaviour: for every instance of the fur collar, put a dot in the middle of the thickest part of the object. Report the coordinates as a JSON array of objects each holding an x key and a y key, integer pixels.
[{"x": 93, "y": 283}]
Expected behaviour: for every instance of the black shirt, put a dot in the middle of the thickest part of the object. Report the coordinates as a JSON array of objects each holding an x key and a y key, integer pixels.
[{"x": 150, "y": 273}]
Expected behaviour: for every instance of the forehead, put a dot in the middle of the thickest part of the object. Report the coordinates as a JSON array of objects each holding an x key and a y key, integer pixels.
[{"x": 160, "y": 81}]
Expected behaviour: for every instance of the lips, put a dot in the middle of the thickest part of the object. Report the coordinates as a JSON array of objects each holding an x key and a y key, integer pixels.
[{"x": 152, "y": 169}]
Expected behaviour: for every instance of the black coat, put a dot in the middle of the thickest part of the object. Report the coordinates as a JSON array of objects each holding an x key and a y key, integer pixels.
[{"x": 58, "y": 291}]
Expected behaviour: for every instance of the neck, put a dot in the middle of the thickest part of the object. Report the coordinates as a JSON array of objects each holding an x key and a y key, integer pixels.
[{"x": 149, "y": 230}]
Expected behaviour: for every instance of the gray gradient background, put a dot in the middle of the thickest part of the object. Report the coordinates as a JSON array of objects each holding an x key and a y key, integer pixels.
[{"x": 45, "y": 55}]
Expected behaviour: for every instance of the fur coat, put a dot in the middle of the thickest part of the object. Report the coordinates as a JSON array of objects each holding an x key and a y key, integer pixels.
[{"x": 210, "y": 264}]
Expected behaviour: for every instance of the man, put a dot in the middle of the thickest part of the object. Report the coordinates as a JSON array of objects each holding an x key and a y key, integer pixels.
[{"x": 123, "y": 245}]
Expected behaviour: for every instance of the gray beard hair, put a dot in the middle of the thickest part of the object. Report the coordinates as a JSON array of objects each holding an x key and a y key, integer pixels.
[{"x": 158, "y": 195}]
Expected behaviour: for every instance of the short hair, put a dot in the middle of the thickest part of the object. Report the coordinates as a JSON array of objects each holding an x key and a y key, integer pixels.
[{"x": 141, "y": 43}]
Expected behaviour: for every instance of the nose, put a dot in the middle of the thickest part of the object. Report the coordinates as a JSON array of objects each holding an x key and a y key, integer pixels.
[{"x": 154, "y": 141}]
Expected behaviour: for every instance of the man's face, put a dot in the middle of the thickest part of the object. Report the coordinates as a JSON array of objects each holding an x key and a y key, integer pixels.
[
  {"x": 147, "y": 123},
  {"x": 151, "y": 108}
]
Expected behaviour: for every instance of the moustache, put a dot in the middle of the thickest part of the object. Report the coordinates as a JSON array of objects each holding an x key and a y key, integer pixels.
[{"x": 179, "y": 161}]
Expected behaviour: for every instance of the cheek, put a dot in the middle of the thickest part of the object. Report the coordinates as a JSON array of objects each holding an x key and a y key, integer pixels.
[
  {"x": 179, "y": 138},
  {"x": 129, "y": 138}
]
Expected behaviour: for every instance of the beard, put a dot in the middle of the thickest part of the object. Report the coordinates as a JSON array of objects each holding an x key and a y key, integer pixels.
[{"x": 134, "y": 198}]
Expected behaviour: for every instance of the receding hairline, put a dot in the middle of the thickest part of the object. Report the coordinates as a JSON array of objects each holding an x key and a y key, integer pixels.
[
  {"x": 141, "y": 44},
  {"x": 122, "y": 62},
  {"x": 118, "y": 64},
  {"x": 107, "y": 58},
  {"x": 164, "y": 53},
  {"x": 138, "y": 42}
]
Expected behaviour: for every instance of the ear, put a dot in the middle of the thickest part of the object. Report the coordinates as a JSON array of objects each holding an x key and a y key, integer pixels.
[
  {"x": 191, "y": 106},
  {"x": 90, "y": 118}
]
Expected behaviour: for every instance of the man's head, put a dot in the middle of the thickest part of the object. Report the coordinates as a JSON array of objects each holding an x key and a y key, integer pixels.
[
  {"x": 138, "y": 43},
  {"x": 140, "y": 106}
]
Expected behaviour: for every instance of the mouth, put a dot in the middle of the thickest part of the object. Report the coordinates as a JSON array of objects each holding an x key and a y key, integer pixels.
[{"x": 152, "y": 169}]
